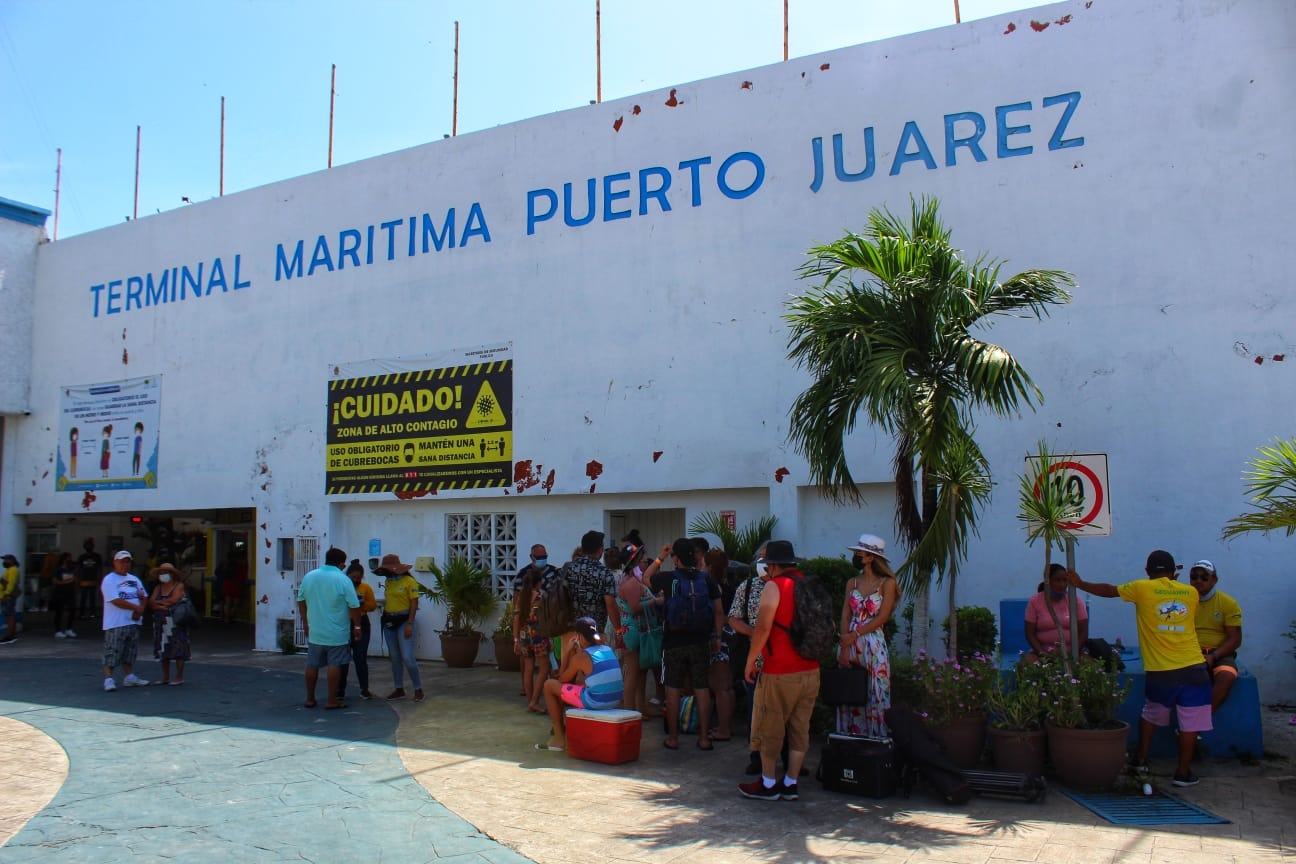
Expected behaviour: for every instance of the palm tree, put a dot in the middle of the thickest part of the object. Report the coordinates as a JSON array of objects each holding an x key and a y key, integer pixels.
[
  {"x": 898, "y": 347},
  {"x": 1271, "y": 484},
  {"x": 740, "y": 545}
]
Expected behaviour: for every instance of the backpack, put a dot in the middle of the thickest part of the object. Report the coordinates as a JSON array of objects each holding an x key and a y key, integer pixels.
[
  {"x": 814, "y": 624},
  {"x": 689, "y": 608},
  {"x": 555, "y": 607}
]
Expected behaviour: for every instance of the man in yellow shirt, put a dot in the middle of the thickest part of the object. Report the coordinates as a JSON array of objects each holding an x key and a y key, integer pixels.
[
  {"x": 1176, "y": 677},
  {"x": 10, "y": 588},
  {"x": 1219, "y": 630}
]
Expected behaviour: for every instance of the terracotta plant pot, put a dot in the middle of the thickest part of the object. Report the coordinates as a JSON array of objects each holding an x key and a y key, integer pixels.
[
  {"x": 505, "y": 659},
  {"x": 1017, "y": 751},
  {"x": 460, "y": 652},
  {"x": 963, "y": 739},
  {"x": 1088, "y": 760}
]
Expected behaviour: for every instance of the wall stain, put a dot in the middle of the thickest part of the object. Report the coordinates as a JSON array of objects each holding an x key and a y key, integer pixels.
[
  {"x": 672, "y": 101},
  {"x": 616, "y": 124},
  {"x": 746, "y": 85},
  {"x": 88, "y": 499},
  {"x": 414, "y": 493},
  {"x": 780, "y": 474},
  {"x": 824, "y": 68},
  {"x": 657, "y": 454},
  {"x": 1065, "y": 19},
  {"x": 1011, "y": 27},
  {"x": 593, "y": 469},
  {"x": 636, "y": 111},
  {"x": 1038, "y": 27},
  {"x": 548, "y": 483}
]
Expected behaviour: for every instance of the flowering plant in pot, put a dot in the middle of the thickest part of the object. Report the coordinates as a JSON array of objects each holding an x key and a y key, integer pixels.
[
  {"x": 1017, "y": 738},
  {"x": 952, "y": 695},
  {"x": 1085, "y": 740}
]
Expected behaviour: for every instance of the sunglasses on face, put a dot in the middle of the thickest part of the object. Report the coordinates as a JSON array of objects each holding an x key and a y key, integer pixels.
[{"x": 1199, "y": 577}]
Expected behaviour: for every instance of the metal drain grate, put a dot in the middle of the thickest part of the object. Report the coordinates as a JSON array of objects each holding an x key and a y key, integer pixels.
[{"x": 1155, "y": 809}]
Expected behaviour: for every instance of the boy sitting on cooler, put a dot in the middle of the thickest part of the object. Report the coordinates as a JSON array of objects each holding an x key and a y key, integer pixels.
[{"x": 589, "y": 677}]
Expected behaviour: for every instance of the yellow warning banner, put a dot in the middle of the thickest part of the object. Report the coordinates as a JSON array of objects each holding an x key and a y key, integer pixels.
[{"x": 425, "y": 430}]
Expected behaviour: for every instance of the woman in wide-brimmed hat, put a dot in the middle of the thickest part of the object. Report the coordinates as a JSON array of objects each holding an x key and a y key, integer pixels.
[
  {"x": 400, "y": 608},
  {"x": 170, "y": 640},
  {"x": 870, "y": 600}
]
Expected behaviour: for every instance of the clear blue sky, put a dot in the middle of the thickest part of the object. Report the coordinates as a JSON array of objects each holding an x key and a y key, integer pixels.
[{"x": 81, "y": 74}]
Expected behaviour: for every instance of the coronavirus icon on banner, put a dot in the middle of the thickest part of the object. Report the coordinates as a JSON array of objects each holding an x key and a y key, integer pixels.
[{"x": 424, "y": 429}]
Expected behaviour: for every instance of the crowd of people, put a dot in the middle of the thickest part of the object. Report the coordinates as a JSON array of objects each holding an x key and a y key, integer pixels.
[{"x": 684, "y": 633}]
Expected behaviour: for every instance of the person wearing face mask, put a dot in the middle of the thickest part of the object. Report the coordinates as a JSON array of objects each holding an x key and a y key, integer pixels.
[
  {"x": 170, "y": 641},
  {"x": 533, "y": 648},
  {"x": 1047, "y": 631},
  {"x": 870, "y": 600},
  {"x": 359, "y": 638}
]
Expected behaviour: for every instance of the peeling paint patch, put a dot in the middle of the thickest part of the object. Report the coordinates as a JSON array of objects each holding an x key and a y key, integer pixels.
[
  {"x": 592, "y": 485},
  {"x": 1259, "y": 361},
  {"x": 1038, "y": 27},
  {"x": 1011, "y": 27},
  {"x": 636, "y": 111},
  {"x": 548, "y": 483},
  {"x": 88, "y": 499},
  {"x": 125, "y": 357},
  {"x": 780, "y": 474},
  {"x": 824, "y": 67},
  {"x": 525, "y": 476},
  {"x": 265, "y": 598},
  {"x": 46, "y": 474},
  {"x": 593, "y": 469},
  {"x": 29, "y": 502},
  {"x": 1065, "y": 19},
  {"x": 746, "y": 85},
  {"x": 263, "y": 527},
  {"x": 267, "y": 560},
  {"x": 673, "y": 101},
  {"x": 1278, "y": 358},
  {"x": 269, "y": 545},
  {"x": 414, "y": 493},
  {"x": 616, "y": 124},
  {"x": 657, "y": 454},
  {"x": 1090, "y": 3}
]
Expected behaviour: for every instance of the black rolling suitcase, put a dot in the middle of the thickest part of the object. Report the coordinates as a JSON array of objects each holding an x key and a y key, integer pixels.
[{"x": 858, "y": 765}]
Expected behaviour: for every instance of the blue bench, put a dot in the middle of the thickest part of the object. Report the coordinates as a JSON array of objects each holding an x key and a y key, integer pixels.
[{"x": 1238, "y": 731}]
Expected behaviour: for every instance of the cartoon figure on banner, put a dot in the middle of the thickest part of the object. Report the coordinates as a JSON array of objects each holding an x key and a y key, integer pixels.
[
  {"x": 73, "y": 435},
  {"x": 105, "y": 450},
  {"x": 139, "y": 445}
]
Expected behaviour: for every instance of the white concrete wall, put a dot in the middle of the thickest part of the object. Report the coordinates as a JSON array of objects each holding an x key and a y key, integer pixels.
[{"x": 663, "y": 331}]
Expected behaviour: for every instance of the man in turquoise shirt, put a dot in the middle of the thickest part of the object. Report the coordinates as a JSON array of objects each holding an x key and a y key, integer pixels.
[{"x": 330, "y": 612}]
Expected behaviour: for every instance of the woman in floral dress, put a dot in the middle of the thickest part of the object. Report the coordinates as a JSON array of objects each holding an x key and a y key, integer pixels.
[{"x": 870, "y": 600}]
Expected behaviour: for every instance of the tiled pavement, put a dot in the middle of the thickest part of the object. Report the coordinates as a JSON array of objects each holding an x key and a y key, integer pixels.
[{"x": 231, "y": 765}]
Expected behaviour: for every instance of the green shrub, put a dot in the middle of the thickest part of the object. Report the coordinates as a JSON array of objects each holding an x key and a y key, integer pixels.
[{"x": 977, "y": 631}]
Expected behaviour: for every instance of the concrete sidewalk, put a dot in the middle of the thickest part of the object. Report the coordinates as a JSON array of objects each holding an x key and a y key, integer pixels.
[{"x": 231, "y": 765}]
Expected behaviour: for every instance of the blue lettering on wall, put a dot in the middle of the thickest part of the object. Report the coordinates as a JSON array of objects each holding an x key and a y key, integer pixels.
[
  {"x": 167, "y": 286},
  {"x": 962, "y": 130},
  {"x": 740, "y": 175}
]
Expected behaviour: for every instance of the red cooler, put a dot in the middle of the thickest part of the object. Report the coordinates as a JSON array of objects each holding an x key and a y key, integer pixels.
[{"x": 610, "y": 736}]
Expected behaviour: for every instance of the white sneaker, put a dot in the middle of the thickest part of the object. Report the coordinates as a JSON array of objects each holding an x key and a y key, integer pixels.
[
  {"x": 109, "y": 685},
  {"x": 70, "y": 633},
  {"x": 60, "y": 635},
  {"x": 132, "y": 680}
]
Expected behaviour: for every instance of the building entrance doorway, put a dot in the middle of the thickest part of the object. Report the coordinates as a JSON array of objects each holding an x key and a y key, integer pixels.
[
  {"x": 230, "y": 586},
  {"x": 656, "y": 527}
]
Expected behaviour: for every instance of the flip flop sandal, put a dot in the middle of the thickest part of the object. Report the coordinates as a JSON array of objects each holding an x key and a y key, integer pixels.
[{"x": 543, "y": 747}]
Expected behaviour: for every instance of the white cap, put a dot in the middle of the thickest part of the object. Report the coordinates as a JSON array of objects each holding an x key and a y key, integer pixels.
[
  {"x": 1203, "y": 564},
  {"x": 123, "y": 555},
  {"x": 872, "y": 544}
]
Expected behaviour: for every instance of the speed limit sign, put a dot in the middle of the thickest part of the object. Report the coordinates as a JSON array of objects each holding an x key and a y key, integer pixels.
[{"x": 1083, "y": 482}]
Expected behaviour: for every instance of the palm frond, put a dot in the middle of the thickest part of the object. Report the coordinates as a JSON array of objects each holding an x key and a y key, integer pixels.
[
  {"x": 740, "y": 545},
  {"x": 1271, "y": 484}
]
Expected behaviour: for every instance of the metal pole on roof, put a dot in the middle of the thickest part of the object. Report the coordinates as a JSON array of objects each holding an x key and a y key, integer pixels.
[
  {"x": 58, "y": 183},
  {"x": 332, "y": 100},
  {"x": 598, "y": 51},
  {"x": 135, "y": 213},
  {"x": 957, "y": 18},
  {"x": 785, "y": 30},
  {"x": 222, "y": 148},
  {"x": 454, "y": 116}
]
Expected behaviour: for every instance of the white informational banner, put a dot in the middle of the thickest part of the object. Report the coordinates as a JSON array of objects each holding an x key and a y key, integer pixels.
[
  {"x": 1083, "y": 479},
  {"x": 108, "y": 435}
]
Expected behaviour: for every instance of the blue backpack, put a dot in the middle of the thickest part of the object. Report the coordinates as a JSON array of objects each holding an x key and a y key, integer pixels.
[{"x": 688, "y": 609}]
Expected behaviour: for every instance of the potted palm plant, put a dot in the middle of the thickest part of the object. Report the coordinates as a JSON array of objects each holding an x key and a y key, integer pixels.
[
  {"x": 468, "y": 596},
  {"x": 506, "y": 660}
]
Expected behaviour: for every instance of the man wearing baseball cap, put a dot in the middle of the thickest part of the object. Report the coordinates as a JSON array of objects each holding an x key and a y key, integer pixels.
[
  {"x": 1219, "y": 630},
  {"x": 1176, "y": 677},
  {"x": 124, "y": 598},
  {"x": 10, "y": 588}
]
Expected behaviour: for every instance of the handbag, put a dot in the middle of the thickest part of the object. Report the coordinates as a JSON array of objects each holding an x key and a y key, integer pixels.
[
  {"x": 183, "y": 613},
  {"x": 650, "y": 642},
  {"x": 844, "y": 685}
]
